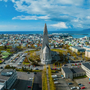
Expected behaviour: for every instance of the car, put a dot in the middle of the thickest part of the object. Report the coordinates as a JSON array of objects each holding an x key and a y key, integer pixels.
[
  {"x": 78, "y": 87},
  {"x": 28, "y": 72},
  {"x": 14, "y": 89},
  {"x": 79, "y": 83},
  {"x": 56, "y": 71},
  {"x": 54, "y": 76},
  {"x": 35, "y": 73},
  {"x": 29, "y": 87},
  {"x": 30, "y": 78},
  {"x": 65, "y": 65},
  {"x": 1, "y": 67},
  {"x": 82, "y": 87},
  {"x": 19, "y": 63},
  {"x": 75, "y": 64},
  {"x": 63, "y": 77},
  {"x": 70, "y": 83},
  {"x": 73, "y": 87},
  {"x": 56, "y": 82},
  {"x": 36, "y": 69},
  {"x": 55, "y": 79}
]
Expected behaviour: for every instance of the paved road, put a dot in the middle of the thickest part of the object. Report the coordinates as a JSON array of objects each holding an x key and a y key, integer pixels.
[
  {"x": 37, "y": 81},
  {"x": 14, "y": 55}
]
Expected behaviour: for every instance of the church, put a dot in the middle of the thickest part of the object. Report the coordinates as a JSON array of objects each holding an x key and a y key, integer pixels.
[
  {"x": 46, "y": 55},
  {"x": 45, "y": 50}
]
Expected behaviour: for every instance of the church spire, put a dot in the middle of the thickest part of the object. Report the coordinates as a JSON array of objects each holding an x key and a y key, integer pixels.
[{"x": 45, "y": 29}]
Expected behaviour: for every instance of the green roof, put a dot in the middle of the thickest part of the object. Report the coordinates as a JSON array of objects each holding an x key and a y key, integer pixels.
[
  {"x": 5, "y": 53},
  {"x": 4, "y": 57}
]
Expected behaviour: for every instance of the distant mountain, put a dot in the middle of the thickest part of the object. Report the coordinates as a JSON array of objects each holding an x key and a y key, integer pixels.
[{"x": 86, "y": 30}]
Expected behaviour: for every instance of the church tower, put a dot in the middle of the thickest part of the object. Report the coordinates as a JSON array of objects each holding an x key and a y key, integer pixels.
[{"x": 45, "y": 50}]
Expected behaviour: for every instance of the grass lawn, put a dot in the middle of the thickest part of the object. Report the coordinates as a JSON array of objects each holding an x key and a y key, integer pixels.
[
  {"x": 79, "y": 77},
  {"x": 57, "y": 50},
  {"x": 31, "y": 51},
  {"x": 28, "y": 70},
  {"x": 24, "y": 63},
  {"x": 1, "y": 61}
]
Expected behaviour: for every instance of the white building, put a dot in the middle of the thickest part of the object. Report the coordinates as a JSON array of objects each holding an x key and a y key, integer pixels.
[
  {"x": 87, "y": 53},
  {"x": 86, "y": 67},
  {"x": 77, "y": 49}
]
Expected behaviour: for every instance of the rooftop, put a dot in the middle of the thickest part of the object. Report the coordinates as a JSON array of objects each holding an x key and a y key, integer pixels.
[
  {"x": 77, "y": 70},
  {"x": 86, "y": 65},
  {"x": 77, "y": 47},
  {"x": 6, "y": 74},
  {"x": 66, "y": 70}
]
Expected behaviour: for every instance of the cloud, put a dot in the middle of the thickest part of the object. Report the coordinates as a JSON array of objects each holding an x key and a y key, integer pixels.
[
  {"x": 5, "y": 0},
  {"x": 88, "y": 17},
  {"x": 59, "y": 25},
  {"x": 22, "y": 17},
  {"x": 73, "y": 12}
]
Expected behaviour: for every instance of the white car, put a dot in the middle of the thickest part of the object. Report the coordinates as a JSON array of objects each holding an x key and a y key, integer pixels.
[
  {"x": 78, "y": 87},
  {"x": 54, "y": 76},
  {"x": 63, "y": 77},
  {"x": 30, "y": 78},
  {"x": 73, "y": 87},
  {"x": 56, "y": 82}
]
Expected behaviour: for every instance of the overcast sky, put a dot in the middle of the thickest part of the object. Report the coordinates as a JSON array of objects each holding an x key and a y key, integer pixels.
[{"x": 31, "y": 15}]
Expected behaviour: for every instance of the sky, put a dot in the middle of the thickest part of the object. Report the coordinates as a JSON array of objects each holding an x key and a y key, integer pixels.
[{"x": 31, "y": 15}]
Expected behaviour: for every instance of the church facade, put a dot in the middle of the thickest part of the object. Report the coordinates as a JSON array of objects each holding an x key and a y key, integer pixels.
[{"x": 45, "y": 55}]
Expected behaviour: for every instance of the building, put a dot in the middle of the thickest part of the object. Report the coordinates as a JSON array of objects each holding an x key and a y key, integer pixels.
[
  {"x": 77, "y": 49},
  {"x": 7, "y": 78},
  {"x": 72, "y": 72},
  {"x": 67, "y": 73},
  {"x": 86, "y": 68},
  {"x": 87, "y": 53},
  {"x": 45, "y": 50}
]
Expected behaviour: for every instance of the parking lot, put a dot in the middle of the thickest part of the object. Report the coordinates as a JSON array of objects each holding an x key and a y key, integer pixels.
[
  {"x": 61, "y": 85},
  {"x": 85, "y": 82},
  {"x": 23, "y": 81}
]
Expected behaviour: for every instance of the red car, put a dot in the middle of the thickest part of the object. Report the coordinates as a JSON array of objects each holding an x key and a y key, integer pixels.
[
  {"x": 82, "y": 87},
  {"x": 75, "y": 64},
  {"x": 29, "y": 87}
]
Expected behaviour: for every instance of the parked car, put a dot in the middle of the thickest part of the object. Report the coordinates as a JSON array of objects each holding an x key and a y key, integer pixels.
[
  {"x": 55, "y": 79},
  {"x": 29, "y": 87},
  {"x": 73, "y": 87},
  {"x": 82, "y": 87},
  {"x": 70, "y": 83},
  {"x": 28, "y": 72},
  {"x": 79, "y": 83},
  {"x": 63, "y": 77},
  {"x": 36, "y": 69},
  {"x": 30, "y": 78},
  {"x": 35, "y": 73},
  {"x": 56, "y": 82},
  {"x": 78, "y": 87}
]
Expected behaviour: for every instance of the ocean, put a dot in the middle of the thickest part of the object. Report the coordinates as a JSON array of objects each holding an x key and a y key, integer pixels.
[{"x": 75, "y": 34}]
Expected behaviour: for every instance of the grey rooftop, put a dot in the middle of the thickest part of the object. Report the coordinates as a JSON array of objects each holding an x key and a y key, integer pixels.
[{"x": 66, "y": 70}]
